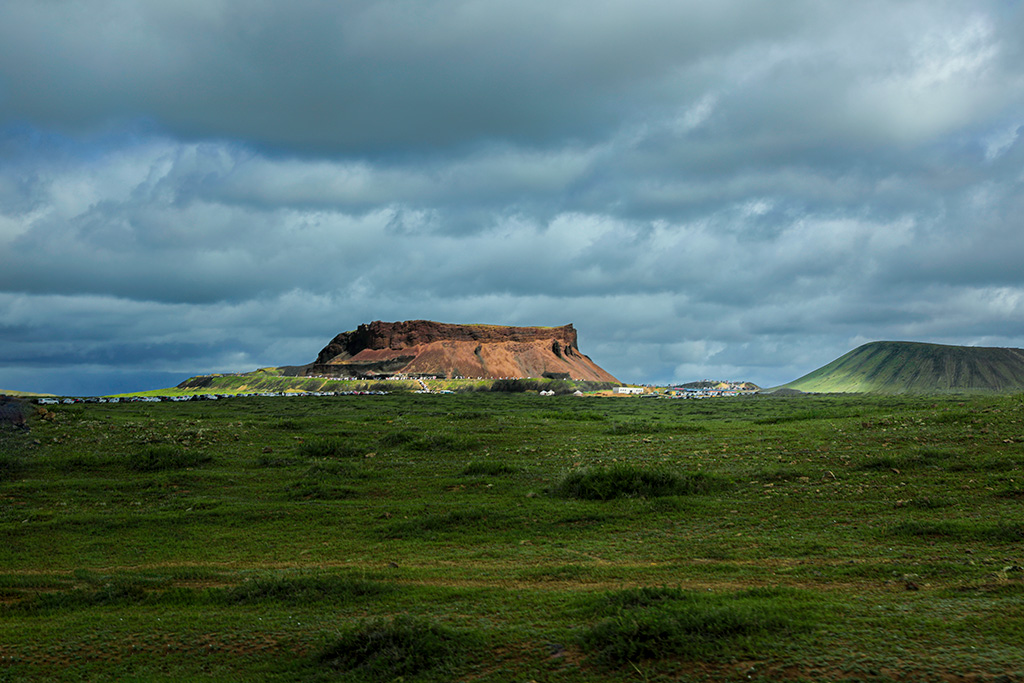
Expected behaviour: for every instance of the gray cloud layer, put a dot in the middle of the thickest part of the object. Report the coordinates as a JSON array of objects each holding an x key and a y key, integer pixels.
[{"x": 732, "y": 189}]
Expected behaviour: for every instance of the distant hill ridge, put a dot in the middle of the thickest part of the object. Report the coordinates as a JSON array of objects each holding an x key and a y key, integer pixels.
[{"x": 889, "y": 367}]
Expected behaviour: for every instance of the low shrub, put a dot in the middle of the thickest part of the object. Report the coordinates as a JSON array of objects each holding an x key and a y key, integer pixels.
[
  {"x": 394, "y": 649},
  {"x": 441, "y": 443},
  {"x": 319, "y": 490},
  {"x": 456, "y": 521},
  {"x": 960, "y": 530},
  {"x": 10, "y": 466},
  {"x": 782, "y": 473},
  {"x": 649, "y": 427},
  {"x": 489, "y": 468},
  {"x": 907, "y": 461},
  {"x": 331, "y": 469},
  {"x": 164, "y": 457},
  {"x": 650, "y": 623},
  {"x": 573, "y": 415},
  {"x": 273, "y": 460},
  {"x": 329, "y": 447},
  {"x": 297, "y": 590},
  {"x": 627, "y": 481},
  {"x": 397, "y": 438}
]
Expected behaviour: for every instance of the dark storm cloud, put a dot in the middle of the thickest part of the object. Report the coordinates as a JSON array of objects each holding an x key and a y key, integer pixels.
[
  {"x": 734, "y": 189},
  {"x": 364, "y": 75}
]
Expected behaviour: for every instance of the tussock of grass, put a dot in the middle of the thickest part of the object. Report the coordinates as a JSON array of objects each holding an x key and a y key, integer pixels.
[
  {"x": 990, "y": 463},
  {"x": 782, "y": 473},
  {"x": 329, "y": 447},
  {"x": 796, "y": 417},
  {"x": 395, "y": 649},
  {"x": 272, "y": 460},
  {"x": 569, "y": 572},
  {"x": 960, "y": 530},
  {"x": 121, "y": 591},
  {"x": 906, "y": 461},
  {"x": 298, "y": 590},
  {"x": 428, "y": 443},
  {"x": 572, "y": 415},
  {"x": 470, "y": 415},
  {"x": 441, "y": 443},
  {"x": 650, "y": 427},
  {"x": 627, "y": 481},
  {"x": 488, "y": 468},
  {"x": 953, "y": 417},
  {"x": 114, "y": 591},
  {"x": 397, "y": 438},
  {"x": 156, "y": 458},
  {"x": 11, "y": 467},
  {"x": 455, "y": 521},
  {"x": 651, "y": 623},
  {"x": 927, "y": 503},
  {"x": 316, "y": 490},
  {"x": 320, "y": 469}
]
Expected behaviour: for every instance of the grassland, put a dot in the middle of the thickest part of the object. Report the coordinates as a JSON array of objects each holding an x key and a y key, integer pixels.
[{"x": 513, "y": 537}]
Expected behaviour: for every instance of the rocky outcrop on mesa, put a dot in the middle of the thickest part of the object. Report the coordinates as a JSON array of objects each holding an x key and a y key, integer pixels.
[{"x": 423, "y": 348}]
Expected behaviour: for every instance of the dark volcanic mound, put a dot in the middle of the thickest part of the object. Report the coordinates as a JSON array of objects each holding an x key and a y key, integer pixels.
[
  {"x": 918, "y": 368},
  {"x": 422, "y": 348}
]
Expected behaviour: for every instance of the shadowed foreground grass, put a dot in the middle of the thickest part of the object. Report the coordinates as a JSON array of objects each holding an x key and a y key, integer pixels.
[{"x": 502, "y": 537}]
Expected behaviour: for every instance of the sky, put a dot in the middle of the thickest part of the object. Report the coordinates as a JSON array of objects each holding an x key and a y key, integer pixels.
[{"x": 736, "y": 189}]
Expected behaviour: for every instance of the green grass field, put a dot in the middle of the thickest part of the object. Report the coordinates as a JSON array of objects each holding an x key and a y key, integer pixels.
[{"x": 513, "y": 537}]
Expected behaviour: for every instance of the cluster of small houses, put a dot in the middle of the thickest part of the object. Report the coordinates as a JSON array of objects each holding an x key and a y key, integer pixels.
[
  {"x": 199, "y": 397},
  {"x": 685, "y": 392},
  {"x": 649, "y": 392}
]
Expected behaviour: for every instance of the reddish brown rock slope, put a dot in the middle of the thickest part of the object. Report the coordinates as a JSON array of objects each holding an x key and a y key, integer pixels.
[{"x": 426, "y": 348}]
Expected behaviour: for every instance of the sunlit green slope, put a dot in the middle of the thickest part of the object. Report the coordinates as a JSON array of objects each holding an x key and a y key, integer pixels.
[{"x": 917, "y": 368}]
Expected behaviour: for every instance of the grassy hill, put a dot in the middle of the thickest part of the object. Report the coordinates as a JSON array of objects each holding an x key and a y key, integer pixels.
[{"x": 917, "y": 368}]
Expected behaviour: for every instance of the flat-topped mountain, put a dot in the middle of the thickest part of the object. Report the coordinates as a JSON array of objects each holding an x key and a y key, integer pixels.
[
  {"x": 918, "y": 368},
  {"x": 423, "y": 348}
]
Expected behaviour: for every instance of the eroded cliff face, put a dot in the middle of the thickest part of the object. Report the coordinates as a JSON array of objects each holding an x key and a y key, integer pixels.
[{"x": 427, "y": 348}]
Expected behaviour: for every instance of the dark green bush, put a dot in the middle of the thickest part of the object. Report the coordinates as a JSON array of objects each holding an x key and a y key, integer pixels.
[
  {"x": 329, "y": 447},
  {"x": 298, "y": 590},
  {"x": 907, "y": 461},
  {"x": 627, "y": 481},
  {"x": 319, "y": 490},
  {"x": 395, "y": 649},
  {"x": 441, "y": 443},
  {"x": 960, "y": 530},
  {"x": 430, "y": 525},
  {"x": 397, "y": 438},
  {"x": 650, "y": 623},
  {"x": 10, "y": 466},
  {"x": 272, "y": 460},
  {"x": 650, "y": 427},
  {"x": 490, "y": 468},
  {"x": 156, "y": 458}
]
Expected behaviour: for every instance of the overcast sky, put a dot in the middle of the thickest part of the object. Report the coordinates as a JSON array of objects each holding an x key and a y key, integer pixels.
[{"x": 735, "y": 189}]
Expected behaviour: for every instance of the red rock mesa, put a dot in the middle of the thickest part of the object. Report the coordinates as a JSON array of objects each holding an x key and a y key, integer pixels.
[{"x": 422, "y": 348}]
